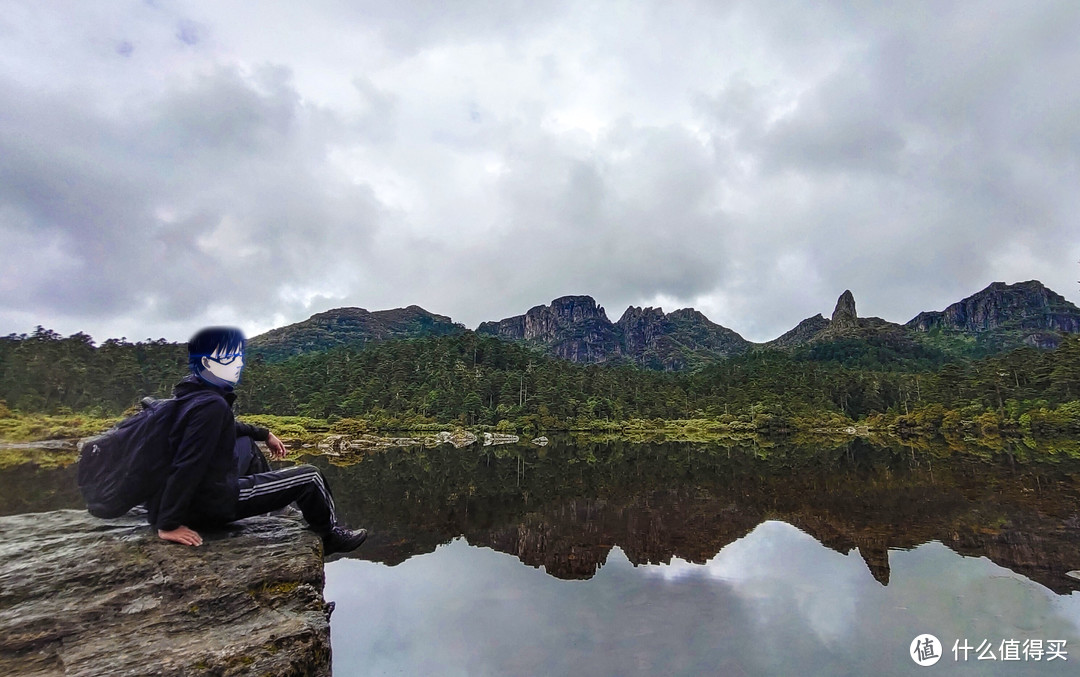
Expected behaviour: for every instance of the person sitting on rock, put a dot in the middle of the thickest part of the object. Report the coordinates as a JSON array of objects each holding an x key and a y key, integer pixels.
[{"x": 203, "y": 486}]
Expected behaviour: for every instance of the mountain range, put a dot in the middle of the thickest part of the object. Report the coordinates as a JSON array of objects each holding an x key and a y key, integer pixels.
[{"x": 575, "y": 328}]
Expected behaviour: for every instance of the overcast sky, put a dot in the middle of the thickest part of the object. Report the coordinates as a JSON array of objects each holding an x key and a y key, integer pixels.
[{"x": 168, "y": 165}]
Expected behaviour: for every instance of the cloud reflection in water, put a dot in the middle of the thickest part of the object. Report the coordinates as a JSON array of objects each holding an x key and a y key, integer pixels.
[{"x": 773, "y": 602}]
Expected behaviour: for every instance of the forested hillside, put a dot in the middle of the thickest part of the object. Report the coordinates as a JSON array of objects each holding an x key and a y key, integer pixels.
[{"x": 478, "y": 380}]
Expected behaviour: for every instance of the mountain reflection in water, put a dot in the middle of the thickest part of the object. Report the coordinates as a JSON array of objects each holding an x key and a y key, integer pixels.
[{"x": 564, "y": 507}]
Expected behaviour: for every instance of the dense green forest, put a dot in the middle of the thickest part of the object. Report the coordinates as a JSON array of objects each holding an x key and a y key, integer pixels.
[{"x": 475, "y": 380}]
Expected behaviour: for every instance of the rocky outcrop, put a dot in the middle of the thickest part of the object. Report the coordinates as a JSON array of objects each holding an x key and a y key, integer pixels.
[
  {"x": 844, "y": 314},
  {"x": 83, "y": 596},
  {"x": 1027, "y": 306},
  {"x": 572, "y": 327},
  {"x": 548, "y": 323},
  {"x": 459, "y": 439},
  {"x": 643, "y": 327},
  {"x": 576, "y": 329},
  {"x": 494, "y": 439},
  {"x": 336, "y": 445}
]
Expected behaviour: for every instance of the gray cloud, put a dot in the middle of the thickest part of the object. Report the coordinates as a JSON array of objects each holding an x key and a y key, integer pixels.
[
  {"x": 627, "y": 220},
  {"x": 920, "y": 156},
  {"x": 217, "y": 193},
  {"x": 207, "y": 163}
]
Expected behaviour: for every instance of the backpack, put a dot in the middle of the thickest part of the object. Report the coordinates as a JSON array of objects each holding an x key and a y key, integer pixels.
[
  {"x": 249, "y": 457},
  {"x": 125, "y": 465}
]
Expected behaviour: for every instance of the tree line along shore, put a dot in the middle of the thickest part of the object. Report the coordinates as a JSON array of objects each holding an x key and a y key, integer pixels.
[{"x": 54, "y": 387}]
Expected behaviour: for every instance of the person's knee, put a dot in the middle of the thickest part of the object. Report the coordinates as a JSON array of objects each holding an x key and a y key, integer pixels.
[{"x": 308, "y": 469}]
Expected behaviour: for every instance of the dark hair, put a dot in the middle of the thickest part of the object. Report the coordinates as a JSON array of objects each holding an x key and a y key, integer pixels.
[{"x": 206, "y": 341}]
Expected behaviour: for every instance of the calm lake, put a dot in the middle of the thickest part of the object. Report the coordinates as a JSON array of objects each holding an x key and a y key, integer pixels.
[{"x": 824, "y": 558}]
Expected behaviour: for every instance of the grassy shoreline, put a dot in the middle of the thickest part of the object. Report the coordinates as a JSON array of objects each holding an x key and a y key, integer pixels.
[{"x": 50, "y": 440}]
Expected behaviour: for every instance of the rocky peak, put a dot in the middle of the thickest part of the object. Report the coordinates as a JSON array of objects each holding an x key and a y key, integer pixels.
[
  {"x": 571, "y": 327},
  {"x": 576, "y": 309},
  {"x": 845, "y": 324},
  {"x": 642, "y": 319},
  {"x": 546, "y": 323},
  {"x": 844, "y": 313},
  {"x": 1025, "y": 306},
  {"x": 575, "y": 328},
  {"x": 641, "y": 326},
  {"x": 636, "y": 314},
  {"x": 689, "y": 315}
]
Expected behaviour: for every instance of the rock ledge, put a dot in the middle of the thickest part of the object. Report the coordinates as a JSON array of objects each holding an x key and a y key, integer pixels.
[{"x": 84, "y": 596}]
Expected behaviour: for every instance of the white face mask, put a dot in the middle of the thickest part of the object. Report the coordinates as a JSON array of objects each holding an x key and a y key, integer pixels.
[{"x": 225, "y": 365}]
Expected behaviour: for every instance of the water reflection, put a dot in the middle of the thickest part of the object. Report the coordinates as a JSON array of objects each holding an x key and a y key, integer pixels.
[
  {"x": 28, "y": 488},
  {"x": 685, "y": 558},
  {"x": 565, "y": 507},
  {"x": 773, "y": 602}
]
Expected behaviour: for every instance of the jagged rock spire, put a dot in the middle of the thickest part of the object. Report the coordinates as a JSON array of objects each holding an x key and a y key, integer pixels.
[{"x": 844, "y": 314}]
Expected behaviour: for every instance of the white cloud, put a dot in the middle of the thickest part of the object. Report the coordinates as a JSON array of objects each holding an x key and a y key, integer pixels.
[{"x": 758, "y": 569}]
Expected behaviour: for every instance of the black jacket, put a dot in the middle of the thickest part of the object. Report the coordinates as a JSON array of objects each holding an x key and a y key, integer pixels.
[{"x": 201, "y": 485}]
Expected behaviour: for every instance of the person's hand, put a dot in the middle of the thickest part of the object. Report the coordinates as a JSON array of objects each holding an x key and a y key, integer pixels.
[
  {"x": 277, "y": 449},
  {"x": 182, "y": 535}
]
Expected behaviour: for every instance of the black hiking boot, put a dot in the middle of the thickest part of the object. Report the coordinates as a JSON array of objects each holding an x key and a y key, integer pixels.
[{"x": 342, "y": 539}]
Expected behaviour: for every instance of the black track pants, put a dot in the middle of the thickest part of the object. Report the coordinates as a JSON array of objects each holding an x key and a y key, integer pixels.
[{"x": 302, "y": 484}]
